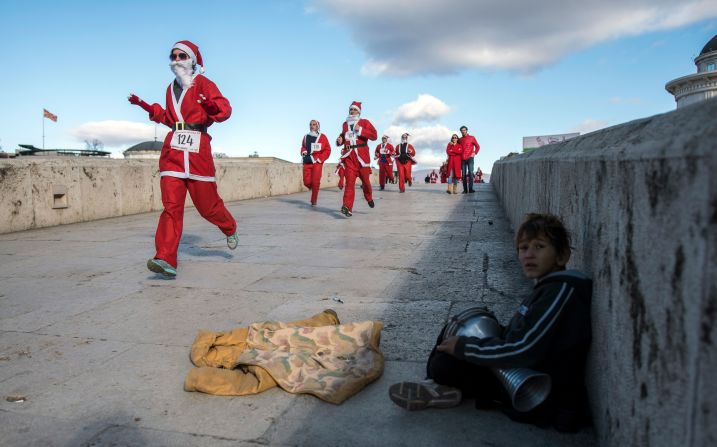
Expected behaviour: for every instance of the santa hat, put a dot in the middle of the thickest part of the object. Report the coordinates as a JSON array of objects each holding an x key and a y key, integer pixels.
[
  {"x": 192, "y": 50},
  {"x": 355, "y": 105},
  {"x": 406, "y": 135},
  {"x": 386, "y": 137}
]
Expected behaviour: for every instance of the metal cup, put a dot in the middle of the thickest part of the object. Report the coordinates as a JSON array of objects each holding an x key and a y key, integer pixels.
[{"x": 526, "y": 388}]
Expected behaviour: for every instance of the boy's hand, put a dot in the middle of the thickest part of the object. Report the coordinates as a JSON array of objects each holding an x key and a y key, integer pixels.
[{"x": 448, "y": 345}]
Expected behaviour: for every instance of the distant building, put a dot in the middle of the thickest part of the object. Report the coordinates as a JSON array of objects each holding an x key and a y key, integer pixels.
[
  {"x": 30, "y": 150},
  {"x": 146, "y": 149},
  {"x": 701, "y": 85}
]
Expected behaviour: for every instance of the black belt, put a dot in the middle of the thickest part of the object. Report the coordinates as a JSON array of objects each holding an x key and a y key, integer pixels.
[
  {"x": 355, "y": 146},
  {"x": 189, "y": 126}
]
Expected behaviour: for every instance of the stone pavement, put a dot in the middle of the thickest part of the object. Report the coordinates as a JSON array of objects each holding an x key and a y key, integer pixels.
[{"x": 99, "y": 346}]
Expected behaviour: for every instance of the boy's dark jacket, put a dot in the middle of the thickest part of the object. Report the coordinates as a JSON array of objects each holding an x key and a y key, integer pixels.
[{"x": 551, "y": 327}]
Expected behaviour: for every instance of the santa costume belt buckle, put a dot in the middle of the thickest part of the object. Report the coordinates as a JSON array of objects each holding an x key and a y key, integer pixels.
[{"x": 181, "y": 125}]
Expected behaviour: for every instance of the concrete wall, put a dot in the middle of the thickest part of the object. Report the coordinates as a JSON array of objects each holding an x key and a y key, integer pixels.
[
  {"x": 101, "y": 188},
  {"x": 641, "y": 201}
]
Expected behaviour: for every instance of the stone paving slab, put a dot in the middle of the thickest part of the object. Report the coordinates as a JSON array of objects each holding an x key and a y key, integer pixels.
[{"x": 99, "y": 346}]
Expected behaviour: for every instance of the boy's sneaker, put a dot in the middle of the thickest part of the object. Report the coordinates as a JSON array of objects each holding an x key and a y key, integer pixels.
[
  {"x": 162, "y": 267},
  {"x": 233, "y": 241},
  {"x": 345, "y": 211},
  {"x": 419, "y": 395}
]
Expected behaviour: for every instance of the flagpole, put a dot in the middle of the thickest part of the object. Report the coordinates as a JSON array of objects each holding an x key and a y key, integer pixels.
[{"x": 43, "y": 129}]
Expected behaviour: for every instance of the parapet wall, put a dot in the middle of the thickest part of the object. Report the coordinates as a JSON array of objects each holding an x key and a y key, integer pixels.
[
  {"x": 641, "y": 201},
  {"x": 41, "y": 192}
]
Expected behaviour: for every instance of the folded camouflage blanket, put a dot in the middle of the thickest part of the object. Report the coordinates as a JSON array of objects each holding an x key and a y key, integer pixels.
[{"x": 332, "y": 362}]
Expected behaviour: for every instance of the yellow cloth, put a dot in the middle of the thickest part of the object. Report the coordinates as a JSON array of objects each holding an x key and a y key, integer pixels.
[{"x": 317, "y": 356}]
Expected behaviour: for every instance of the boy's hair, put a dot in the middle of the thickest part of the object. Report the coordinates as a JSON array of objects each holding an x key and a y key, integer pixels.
[{"x": 548, "y": 225}]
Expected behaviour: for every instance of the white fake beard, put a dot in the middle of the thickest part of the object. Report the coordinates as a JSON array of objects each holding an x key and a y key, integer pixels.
[
  {"x": 313, "y": 134},
  {"x": 352, "y": 119},
  {"x": 184, "y": 72}
]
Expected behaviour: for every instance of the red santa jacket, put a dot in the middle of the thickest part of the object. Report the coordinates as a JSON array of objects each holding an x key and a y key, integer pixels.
[
  {"x": 386, "y": 150},
  {"x": 365, "y": 132},
  {"x": 321, "y": 155},
  {"x": 195, "y": 164},
  {"x": 454, "y": 149},
  {"x": 410, "y": 152},
  {"x": 470, "y": 146}
]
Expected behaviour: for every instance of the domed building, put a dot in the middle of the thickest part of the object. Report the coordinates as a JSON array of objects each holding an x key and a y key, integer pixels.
[
  {"x": 146, "y": 149},
  {"x": 701, "y": 85}
]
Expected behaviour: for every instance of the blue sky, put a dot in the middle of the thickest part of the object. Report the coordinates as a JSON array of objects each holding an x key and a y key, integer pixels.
[{"x": 282, "y": 63}]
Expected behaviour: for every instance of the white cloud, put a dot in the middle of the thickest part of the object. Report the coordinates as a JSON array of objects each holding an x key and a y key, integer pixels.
[
  {"x": 589, "y": 125},
  {"x": 402, "y": 37},
  {"x": 118, "y": 133},
  {"x": 430, "y": 158},
  {"x": 429, "y": 141},
  {"x": 424, "y": 108},
  {"x": 427, "y": 137}
]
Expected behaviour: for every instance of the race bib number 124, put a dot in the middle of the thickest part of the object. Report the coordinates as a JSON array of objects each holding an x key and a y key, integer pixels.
[{"x": 186, "y": 140}]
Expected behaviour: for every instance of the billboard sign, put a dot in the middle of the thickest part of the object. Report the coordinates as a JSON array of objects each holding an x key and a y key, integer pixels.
[{"x": 530, "y": 143}]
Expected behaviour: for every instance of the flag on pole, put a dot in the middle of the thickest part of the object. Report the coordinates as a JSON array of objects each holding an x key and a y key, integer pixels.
[{"x": 48, "y": 115}]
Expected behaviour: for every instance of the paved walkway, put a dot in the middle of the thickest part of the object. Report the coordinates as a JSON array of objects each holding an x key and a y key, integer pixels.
[{"x": 99, "y": 346}]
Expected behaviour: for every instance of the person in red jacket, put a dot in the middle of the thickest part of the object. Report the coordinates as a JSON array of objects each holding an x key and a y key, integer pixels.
[
  {"x": 193, "y": 104},
  {"x": 470, "y": 149},
  {"x": 384, "y": 155},
  {"x": 354, "y": 137},
  {"x": 315, "y": 150},
  {"x": 404, "y": 155},
  {"x": 455, "y": 153}
]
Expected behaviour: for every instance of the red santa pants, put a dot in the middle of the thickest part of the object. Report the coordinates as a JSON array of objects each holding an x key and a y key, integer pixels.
[
  {"x": 404, "y": 175},
  {"x": 385, "y": 171},
  {"x": 454, "y": 167},
  {"x": 341, "y": 173},
  {"x": 354, "y": 170},
  {"x": 312, "y": 179},
  {"x": 208, "y": 203}
]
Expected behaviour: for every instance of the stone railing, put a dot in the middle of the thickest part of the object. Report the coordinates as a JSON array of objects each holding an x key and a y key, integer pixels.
[
  {"x": 39, "y": 192},
  {"x": 641, "y": 201}
]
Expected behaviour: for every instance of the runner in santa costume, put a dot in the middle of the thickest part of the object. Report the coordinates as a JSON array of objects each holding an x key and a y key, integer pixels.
[
  {"x": 404, "y": 154},
  {"x": 315, "y": 150},
  {"x": 193, "y": 104},
  {"x": 354, "y": 137},
  {"x": 341, "y": 173},
  {"x": 443, "y": 172},
  {"x": 455, "y": 152},
  {"x": 384, "y": 155}
]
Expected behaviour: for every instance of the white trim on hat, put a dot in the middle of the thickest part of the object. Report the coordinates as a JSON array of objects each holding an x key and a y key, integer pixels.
[{"x": 186, "y": 49}]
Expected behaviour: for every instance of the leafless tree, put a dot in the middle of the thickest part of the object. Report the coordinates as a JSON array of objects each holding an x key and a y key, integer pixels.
[{"x": 94, "y": 145}]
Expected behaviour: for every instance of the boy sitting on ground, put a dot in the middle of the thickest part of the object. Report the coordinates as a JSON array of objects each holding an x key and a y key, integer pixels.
[{"x": 549, "y": 333}]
